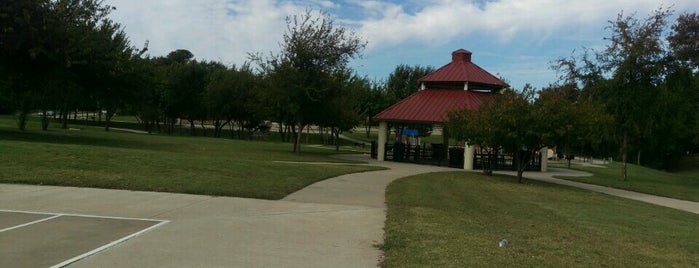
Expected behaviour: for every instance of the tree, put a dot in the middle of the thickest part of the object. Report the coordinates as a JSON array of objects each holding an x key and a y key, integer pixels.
[
  {"x": 231, "y": 96},
  {"x": 184, "y": 84},
  {"x": 402, "y": 82},
  {"x": 372, "y": 100},
  {"x": 569, "y": 118},
  {"x": 508, "y": 122},
  {"x": 343, "y": 108},
  {"x": 683, "y": 41},
  {"x": 54, "y": 51},
  {"x": 645, "y": 86},
  {"x": 312, "y": 51}
]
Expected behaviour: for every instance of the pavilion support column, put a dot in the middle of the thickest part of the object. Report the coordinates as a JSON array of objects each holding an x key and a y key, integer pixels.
[
  {"x": 383, "y": 133},
  {"x": 544, "y": 152},
  {"x": 468, "y": 156}
]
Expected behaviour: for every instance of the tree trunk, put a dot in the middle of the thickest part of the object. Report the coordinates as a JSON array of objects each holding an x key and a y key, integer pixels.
[
  {"x": 44, "y": 120},
  {"x": 193, "y": 128},
  {"x": 624, "y": 153},
  {"x": 367, "y": 126},
  {"x": 297, "y": 144},
  {"x": 22, "y": 120},
  {"x": 217, "y": 128},
  {"x": 521, "y": 161},
  {"x": 64, "y": 117},
  {"x": 489, "y": 165},
  {"x": 281, "y": 131},
  {"x": 108, "y": 119},
  {"x": 520, "y": 171},
  {"x": 638, "y": 158},
  {"x": 240, "y": 129},
  {"x": 336, "y": 133},
  {"x": 230, "y": 128}
]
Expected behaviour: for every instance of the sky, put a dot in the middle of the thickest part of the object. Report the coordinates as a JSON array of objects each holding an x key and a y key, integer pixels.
[{"x": 514, "y": 39}]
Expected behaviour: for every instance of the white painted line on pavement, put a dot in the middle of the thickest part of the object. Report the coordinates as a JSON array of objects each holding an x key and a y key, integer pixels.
[
  {"x": 78, "y": 215},
  {"x": 94, "y": 251},
  {"x": 30, "y": 223},
  {"x": 114, "y": 243}
]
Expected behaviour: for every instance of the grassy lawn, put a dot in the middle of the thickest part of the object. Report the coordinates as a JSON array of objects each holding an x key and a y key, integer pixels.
[
  {"x": 456, "y": 219},
  {"x": 90, "y": 157},
  {"x": 680, "y": 185}
]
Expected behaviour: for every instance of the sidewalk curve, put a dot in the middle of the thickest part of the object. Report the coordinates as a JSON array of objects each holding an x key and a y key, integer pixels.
[{"x": 685, "y": 205}]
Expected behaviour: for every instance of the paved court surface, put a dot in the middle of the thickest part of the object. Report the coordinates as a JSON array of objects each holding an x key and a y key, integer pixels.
[{"x": 30, "y": 239}]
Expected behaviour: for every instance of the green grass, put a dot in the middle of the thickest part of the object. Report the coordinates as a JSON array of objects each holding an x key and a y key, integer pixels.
[
  {"x": 455, "y": 219},
  {"x": 680, "y": 185},
  {"x": 91, "y": 157}
]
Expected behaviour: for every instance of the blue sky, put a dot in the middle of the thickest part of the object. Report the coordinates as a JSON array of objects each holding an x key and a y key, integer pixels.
[{"x": 515, "y": 39}]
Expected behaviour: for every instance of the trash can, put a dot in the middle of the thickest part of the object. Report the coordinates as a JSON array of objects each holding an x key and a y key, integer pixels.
[
  {"x": 398, "y": 151},
  {"x": 456, "y": 157},
  {"x": 374, "y": 150}
]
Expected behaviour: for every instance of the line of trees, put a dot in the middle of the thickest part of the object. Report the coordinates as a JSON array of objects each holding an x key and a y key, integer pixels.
[
  {"x": 58, "y": 57},
  {"x": 640, "y": 94}
]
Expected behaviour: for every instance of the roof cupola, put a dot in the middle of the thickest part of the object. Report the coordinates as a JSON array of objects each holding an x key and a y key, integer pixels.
[{"x": 461, "y": 55}]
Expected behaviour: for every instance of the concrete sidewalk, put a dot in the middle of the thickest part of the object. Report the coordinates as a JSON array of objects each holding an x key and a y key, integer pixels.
[
  {"x": 333, "y": 223},
  {"x": 688, "y": 206}
]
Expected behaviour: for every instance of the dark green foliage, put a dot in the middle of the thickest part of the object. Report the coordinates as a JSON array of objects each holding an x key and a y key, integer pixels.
[
  {"x": 647, "y": 87},
  {"x": 683, "y": 40},
  {"x": 402, "y": 82},
  {"x": 59, "y": 54}
]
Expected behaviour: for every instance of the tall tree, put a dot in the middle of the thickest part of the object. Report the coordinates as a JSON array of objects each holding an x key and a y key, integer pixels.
[
  {"x": 314, "y": 48},
  {"x": 626, "y": 76},
  {"x": 52, "y": 51},
  {"x": 184, "y": 86}
]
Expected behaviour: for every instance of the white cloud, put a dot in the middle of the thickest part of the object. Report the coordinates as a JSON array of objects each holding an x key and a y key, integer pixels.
[
  {"x": 397, "y": 31},
  {"x": 503, "y": 20},
  {"x": 213, "y": 30}
]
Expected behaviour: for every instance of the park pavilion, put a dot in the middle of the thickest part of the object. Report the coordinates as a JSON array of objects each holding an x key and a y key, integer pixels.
[{"x": 458, "y": 85}]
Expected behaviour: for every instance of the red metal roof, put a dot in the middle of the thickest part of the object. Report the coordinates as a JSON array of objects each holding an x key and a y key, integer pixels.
[
  {"x": 461, "y": 69},
  {"x": 432, "y": 105}
]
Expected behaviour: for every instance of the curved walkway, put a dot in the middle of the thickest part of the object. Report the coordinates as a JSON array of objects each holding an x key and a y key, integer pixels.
[{"x": 688, "y": 206}]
